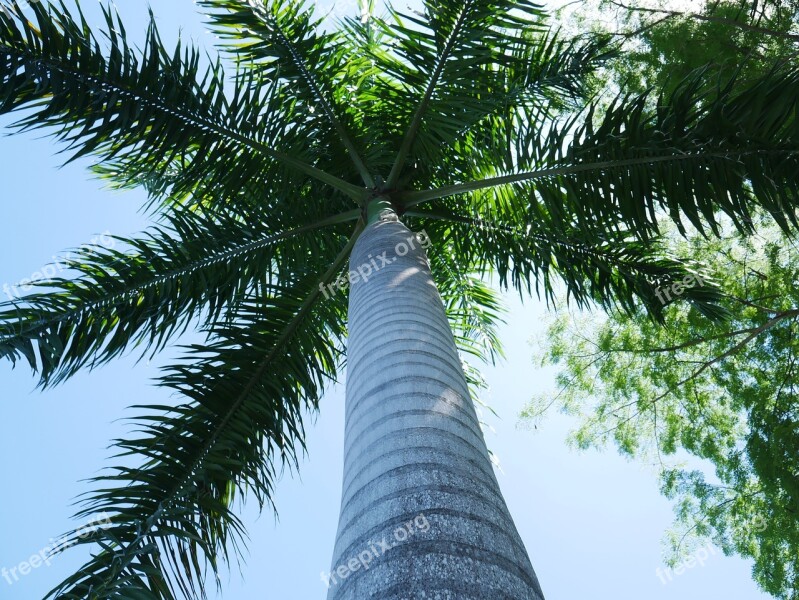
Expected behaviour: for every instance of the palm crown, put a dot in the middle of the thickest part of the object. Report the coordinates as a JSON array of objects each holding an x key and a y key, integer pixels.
[{"x": 470, "y": 119}]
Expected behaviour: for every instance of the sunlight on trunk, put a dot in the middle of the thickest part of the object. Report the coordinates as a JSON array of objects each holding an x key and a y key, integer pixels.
[{"x": 421, "y": 515}]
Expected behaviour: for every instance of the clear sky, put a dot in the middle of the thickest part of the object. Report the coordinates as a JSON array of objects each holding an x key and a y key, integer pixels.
[{"x": 592, "y": 523}]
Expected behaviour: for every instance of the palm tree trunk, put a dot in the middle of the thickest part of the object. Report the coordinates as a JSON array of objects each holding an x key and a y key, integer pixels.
[{"x": 421, "y": 513}]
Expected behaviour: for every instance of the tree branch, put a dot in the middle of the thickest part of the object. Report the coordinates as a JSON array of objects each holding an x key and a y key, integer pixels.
[{"x": 711, "y": 19}]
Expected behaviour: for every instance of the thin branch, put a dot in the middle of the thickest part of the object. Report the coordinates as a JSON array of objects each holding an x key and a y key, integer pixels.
[
  {"x": 754, "y": 333},
  {"x": 694, "y": 342},
  {"x": 711, "y": 19},
  {"x": 644, "y": 28},
  {"x": 714, "y": 508}
]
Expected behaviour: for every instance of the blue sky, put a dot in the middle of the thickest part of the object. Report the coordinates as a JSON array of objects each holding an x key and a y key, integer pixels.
[{"x": 592, "y": 523}]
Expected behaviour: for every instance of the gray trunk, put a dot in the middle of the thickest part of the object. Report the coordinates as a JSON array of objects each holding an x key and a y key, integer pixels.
[{"x": 421, "y": 513}]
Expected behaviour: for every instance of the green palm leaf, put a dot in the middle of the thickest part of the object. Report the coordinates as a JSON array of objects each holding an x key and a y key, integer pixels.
[
  {"x": 705, "y": 149},
  {"x": 610, "y": 269},
  {"x": 201, "y": 266},
  {"x": 455, "y": 49},
  {"x": 148, "y": 112},
  {"x": 240, "y": 423},
  {"x": 284, "y": 42}
]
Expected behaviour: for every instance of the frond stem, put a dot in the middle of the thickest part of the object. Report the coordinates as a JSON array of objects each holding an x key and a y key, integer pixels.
[
  {"x": 415, "y": 198},
  {"x": 432, "y": 84}
]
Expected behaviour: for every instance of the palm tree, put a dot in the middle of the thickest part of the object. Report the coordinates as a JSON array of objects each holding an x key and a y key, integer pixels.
[{"x": 468, "y": 121}]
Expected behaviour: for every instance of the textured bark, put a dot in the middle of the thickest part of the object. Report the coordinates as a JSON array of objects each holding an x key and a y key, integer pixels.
[{"x": 414, "y": 456}]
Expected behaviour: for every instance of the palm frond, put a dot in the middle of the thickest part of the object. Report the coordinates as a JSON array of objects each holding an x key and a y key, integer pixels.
[
  {"x": 156, "y": 113},
  {"x": 246, "y": 391},
  {"x": 610, "y": 269},
  {"x": 545, "y": 76},
  {"x": 454, "y": 52},
  {"x": 705, "y": 149},
  {"x": 283, "y": 41},
  {"x": 473, "y": 308},
  {"x": 198, "y": 267}
]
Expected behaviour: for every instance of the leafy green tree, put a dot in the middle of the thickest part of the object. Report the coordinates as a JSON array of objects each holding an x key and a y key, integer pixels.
[
  {"x": 314, "y": 145},
  {"x": 724, "y": 392},
  {"x": 736, "y": 38}
]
